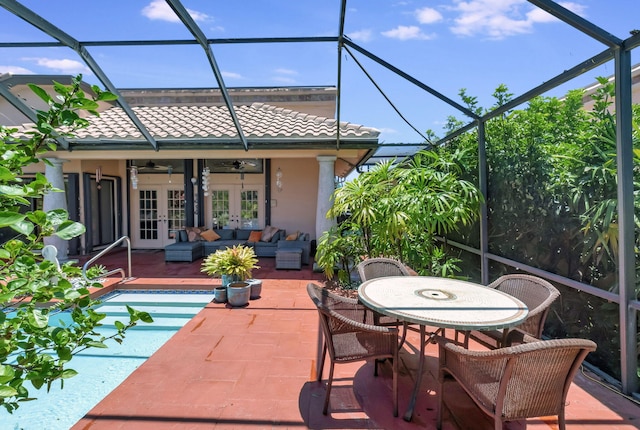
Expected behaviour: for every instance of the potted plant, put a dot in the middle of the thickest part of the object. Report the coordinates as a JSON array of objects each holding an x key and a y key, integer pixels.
[{"x": 234, "y": 265}]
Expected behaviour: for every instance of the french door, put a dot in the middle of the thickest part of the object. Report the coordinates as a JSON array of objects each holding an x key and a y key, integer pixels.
[
  {"x": 236, "y": 206},
  {"x": 158, "y": 212}
]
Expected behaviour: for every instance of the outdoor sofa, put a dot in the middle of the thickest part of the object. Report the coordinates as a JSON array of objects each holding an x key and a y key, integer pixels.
[{"x": 193, "y": 243}]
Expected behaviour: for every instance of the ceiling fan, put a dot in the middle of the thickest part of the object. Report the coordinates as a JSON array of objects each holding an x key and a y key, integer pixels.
[
  {"x": 150, "y": 165},
  {"x": 236, "y": 165}
]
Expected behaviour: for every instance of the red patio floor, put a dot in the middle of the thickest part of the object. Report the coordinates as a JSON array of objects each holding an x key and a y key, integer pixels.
[{"x": 254, "y": 368}]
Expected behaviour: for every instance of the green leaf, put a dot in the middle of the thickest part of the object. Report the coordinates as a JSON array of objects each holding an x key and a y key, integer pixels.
[
  {"x": 88, "y": 104},
  {"x": 37, "y": 217},
  {"x": 107, "y": 96},
  {"x": 70, "y": 229},
  {"x": 23, "y": 227},
  {"x": 4, "y": 298},
  {"x": 71, "y": 295},
  {"x": 145, "y": 317},
  {"x": 6, "y": 174},
  {"x": 96, "y": 344},
  {"x": 12, "y": 190},
  {"x": 37, "y": 382},
  {"x": 40, "y": 93},
  {"x": 60, "y": 88},
  {"x": 6, "y": 373},
  {"x": 7, "y": 391},
  {"x": 68, "y": 373},
  {"x": 38, "y": 319},
  {"x": 57, "y": 216},
  {"x": 8, "y": 219}
]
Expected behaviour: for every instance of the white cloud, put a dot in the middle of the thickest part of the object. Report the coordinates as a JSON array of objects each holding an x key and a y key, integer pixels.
[
  {"x": 539, "y": 15},
  {"x": 428, "y": 15},
  {"x": 161, "y": 11},
  {"x": 15, "y": 70},
  {"x": 361, "y": 35},
  {"x": 231, "y": 75},
  {"x": 62, "y": 66},
  {"x": 284, "y": 80},
  {"x": 403, "y": 32},
  {"x": 283, "y": 71},
  {"x": 284, "y": 76},
  {"x": 501, "y": 18}
]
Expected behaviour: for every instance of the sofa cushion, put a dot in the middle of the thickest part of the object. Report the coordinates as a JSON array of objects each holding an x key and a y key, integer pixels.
[
  {"x": 209, "y": 235},
  {"x": 193, "y": 234},
  {"x": 279, "y": 235},
  {"x": 255, "y": 236},
  {"x": 242, "y": 234},
  {"x": 182, "y": 236},
  {"x": 225, "y": 233},
  {"x": 268, "y": 232},
  {"x": 293, "y": 236}
]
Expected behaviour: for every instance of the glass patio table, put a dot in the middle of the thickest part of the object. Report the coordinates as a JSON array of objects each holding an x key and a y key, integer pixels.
[{"x": 440, "y": 303}]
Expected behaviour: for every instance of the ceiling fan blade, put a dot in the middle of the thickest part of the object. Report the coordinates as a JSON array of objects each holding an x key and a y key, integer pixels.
[{"x": 150, "y": 165}]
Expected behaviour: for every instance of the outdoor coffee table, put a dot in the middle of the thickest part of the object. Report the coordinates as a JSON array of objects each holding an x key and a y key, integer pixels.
[{"x": 440, "y": 303}]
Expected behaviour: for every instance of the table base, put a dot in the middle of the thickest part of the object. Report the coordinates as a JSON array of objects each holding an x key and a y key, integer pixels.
[{"x": 408, "y": 415}]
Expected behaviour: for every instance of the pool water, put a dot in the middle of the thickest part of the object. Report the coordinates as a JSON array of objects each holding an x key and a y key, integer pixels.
[{"x": 102, "y": 370}]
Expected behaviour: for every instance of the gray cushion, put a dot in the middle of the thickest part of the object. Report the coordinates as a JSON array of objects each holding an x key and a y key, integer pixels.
[
  {"x": 243, "y": 234},
  {"x": 225, "y": 233},
  {"x": 182, "y": 236}
]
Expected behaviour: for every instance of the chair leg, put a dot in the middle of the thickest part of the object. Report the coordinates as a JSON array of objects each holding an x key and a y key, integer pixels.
[
  {"x": 326, "y": 397},
  {"x": 561, "y": 420},
  {"x": 321, "y": 364}
]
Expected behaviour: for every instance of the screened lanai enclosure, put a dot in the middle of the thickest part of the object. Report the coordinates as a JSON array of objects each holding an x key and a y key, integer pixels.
[{"x": 561, "y": 196}]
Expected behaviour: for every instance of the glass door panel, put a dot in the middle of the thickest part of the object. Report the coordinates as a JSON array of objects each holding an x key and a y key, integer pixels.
[
  {"x": 221, "y": 209},
  {"x": 249, "y": 209},
  {"x": 175, "y": 212},
  {"x": 233, "y": 206},
  {"x": 158, "y": 213}
]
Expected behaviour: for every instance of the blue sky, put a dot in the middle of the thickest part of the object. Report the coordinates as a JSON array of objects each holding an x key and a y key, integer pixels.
[{"x": 446, "y": 44}]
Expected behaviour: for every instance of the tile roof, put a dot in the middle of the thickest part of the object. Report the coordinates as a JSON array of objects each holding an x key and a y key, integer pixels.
[{"x": 214, "y": 122}]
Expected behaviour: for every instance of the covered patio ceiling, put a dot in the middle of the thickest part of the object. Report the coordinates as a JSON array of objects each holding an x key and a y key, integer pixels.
[{"x": 107, "y": 52}]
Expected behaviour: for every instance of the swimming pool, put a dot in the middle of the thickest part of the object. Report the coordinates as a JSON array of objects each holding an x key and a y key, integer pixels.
[{"x": 102, "y": 370}]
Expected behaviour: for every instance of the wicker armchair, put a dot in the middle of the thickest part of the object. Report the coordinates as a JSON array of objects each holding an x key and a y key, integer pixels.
[
  {"x": 518, "y": 382},
  {"x": 380, "y": 267},
  {"x": 372, "y": 268},
  {"x": 536, "y": 293},
  {"x": 349, "y": 335}
]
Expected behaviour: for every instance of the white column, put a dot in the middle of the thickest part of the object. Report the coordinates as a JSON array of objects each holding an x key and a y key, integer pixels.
[
  {"x": 326, "y": 187},
  {"x": 56, "y": 200}
]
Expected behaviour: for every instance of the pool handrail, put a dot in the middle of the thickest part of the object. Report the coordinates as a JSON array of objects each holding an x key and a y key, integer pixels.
[{"x": 103, "y": 252}]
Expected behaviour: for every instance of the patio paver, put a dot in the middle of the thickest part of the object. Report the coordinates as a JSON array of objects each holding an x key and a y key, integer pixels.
[{"x": 254, "y": 367}]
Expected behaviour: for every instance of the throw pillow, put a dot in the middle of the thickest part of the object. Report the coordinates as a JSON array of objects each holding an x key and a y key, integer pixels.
[
  {"x": 193, "y": 234},
  {"x": 293, "y": 236},
  {"x": 268, "y": 232},
  {"x": 254, "y": 236},
  {"x": 183, "y": 236},
  {"x": 209, "y": 235}
]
